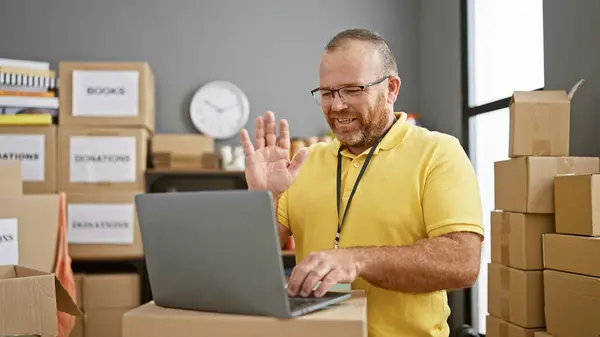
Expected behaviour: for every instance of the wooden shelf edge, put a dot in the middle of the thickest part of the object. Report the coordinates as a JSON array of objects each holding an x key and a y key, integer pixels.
[{"x": 192, "y": 171}]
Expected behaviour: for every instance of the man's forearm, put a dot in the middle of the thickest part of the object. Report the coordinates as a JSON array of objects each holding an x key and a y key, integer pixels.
[{"x": 445, "y": 262}]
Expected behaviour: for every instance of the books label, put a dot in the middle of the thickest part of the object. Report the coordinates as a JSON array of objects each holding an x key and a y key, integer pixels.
[{"x": 105, "y": 93}]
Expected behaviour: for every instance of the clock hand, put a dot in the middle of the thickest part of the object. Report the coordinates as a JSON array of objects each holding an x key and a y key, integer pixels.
[
  {"x": 219, "y": 110},
  {"x": 229, "y": 107}
]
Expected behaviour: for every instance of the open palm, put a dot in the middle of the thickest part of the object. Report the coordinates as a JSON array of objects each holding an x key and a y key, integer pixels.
[{"x": 268, "y": 165}]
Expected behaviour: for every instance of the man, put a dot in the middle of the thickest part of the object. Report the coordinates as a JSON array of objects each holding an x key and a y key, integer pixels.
[{"x": 406, "y": 229}]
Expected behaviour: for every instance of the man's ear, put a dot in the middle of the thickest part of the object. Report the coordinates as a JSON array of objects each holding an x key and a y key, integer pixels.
[{"x": 394, "y": 83}]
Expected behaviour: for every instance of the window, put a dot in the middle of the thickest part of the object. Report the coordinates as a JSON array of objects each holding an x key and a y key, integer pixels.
[
  {"x": 503, "y": 51},
  {"x": 488, "y": 143},
  {"x": 506, "y": 48}
]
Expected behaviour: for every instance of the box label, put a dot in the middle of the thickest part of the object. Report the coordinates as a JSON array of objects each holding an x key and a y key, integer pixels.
[
  {"x": 30, "y": 150},
  {"x": 9, "y": 242},
  {"x": 101, "y": 223},
  {"x": 98, "y": 159},
  {"x": 105, "y": 93}
]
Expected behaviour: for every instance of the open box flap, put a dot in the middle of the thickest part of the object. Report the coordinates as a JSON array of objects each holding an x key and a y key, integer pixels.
[
  {"x": 540, "y": 96},
  {"x": 64, "y": 301}
]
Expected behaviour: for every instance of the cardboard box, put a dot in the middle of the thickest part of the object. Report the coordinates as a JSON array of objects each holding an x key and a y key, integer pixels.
[
  {"x": 35, "y": 147},
  {"x": 105, "y": 299},
  {"x": 495, "y": 327},
  {"x": 541, "y": 334},
  {"x": 10, "y": 178},
  {"x": 348, "y": 319},
  {"x": 104, "y": 322},
  {"x": 184, "y": 151},
  {"x": 572, "y": 304},
  {"x": 102, "y": 159},
  {"x": 571, "y": 253},
  {"x": 78, "y": 328},
  {"x": 30, "y": 300},
  {"x": 182, "y": 144},
  {"x": 29, "y": 231},
  {"x": 516, "y": 239},
  {"x": 540, "y": 122},
  {"x": 577, "y": 204},
  {"x": 80, "y": 321},
  {"x": 111, "y": 291},
  {"x": 79, "y": 288},
  {"x": 107, "y": 94},
  {"x": 516, "y": 296},
  {"x": 526, "y": 184},
  {"x": 103, "y": 226}
]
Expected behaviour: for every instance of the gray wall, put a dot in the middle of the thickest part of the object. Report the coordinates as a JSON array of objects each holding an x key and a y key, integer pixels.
[
  {"x": 571, "y": 49},
  {"x": 439, "y": 67},
  {"x": 269, "y": 48}
]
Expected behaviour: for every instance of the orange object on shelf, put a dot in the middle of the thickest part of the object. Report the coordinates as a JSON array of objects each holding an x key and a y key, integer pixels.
[
  {"x": 296, "y": 145},
  {"x": 413, "y": 118}
]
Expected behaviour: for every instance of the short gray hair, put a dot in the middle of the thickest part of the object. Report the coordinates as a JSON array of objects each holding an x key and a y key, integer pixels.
[{"x": 390, "y": 67}]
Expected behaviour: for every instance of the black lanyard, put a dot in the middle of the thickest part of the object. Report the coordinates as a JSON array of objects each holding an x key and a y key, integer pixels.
[{"x": 339, "y": 185}]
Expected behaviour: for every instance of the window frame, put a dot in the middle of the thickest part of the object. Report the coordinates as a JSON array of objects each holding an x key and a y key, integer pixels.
[{"x": 468, "y": 111}]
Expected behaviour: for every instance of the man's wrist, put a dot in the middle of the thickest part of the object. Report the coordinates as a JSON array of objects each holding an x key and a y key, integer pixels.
[
  {"x": 276, "y": 198},
  {"x": 360, "y": 259},
  {"x": 275, "y": 195}
]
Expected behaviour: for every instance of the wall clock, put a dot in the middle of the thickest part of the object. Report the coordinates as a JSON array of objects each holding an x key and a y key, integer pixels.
[{"x": 219, "y": 109}]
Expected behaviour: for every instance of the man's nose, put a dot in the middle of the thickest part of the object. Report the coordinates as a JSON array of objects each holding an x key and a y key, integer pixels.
[{"x": 338, "y": 103}]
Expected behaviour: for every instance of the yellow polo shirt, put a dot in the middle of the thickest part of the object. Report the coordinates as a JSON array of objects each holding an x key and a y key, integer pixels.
[{"x": 419, "y": 184}]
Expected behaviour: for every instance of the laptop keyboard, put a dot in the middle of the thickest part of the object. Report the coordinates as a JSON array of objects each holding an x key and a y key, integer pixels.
[{"x": 298, "y": 303}]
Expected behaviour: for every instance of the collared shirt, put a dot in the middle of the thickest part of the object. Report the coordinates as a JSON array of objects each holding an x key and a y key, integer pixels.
[{"x": 419, "y": 184}]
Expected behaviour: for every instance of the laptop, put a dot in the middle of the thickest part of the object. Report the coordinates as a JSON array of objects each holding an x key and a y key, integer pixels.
[{"x": 219, "y": 251}]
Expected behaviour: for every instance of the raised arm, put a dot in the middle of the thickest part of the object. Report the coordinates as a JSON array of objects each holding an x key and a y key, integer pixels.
[{"x": 268, "y": 164}]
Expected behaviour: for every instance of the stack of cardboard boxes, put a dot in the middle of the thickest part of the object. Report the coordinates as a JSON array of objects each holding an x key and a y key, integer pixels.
[
  {"x": 572, "y": 258},
  {"x": 104, "y": 299},
  {"x": 524, "y": 209},
  {"x": 30, "y": 295},
  {"x": 106, "y": 118},
  {"x": 97, "y": 155},
  {"x": 184, "y": 152}
]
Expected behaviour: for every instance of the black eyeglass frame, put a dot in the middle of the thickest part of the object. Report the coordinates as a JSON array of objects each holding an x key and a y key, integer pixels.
[{"x": 361, "y": 87}]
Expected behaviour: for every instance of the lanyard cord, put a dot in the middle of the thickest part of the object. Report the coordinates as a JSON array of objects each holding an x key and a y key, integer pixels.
[{"x": 339, "y": 186}]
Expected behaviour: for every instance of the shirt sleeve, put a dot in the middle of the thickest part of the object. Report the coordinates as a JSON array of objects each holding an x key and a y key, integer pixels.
[
  {"x": 451, "y": 198},
  {"x": 283, "y": 205},
  {"x": 282, "y": 210}
]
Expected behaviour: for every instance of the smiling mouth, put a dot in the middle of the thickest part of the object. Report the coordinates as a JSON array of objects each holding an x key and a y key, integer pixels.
[{"x": 345, "y": 120}]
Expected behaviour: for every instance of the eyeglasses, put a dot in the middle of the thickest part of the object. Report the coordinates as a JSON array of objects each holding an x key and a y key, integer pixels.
[{"x": 350, "y": 94}]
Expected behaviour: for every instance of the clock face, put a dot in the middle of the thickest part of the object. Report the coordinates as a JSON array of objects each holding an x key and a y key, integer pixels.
[{"x": 219, "y": 109}]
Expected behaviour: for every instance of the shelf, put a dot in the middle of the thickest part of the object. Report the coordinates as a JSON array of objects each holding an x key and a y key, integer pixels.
[{"x": 184, "y": 171}]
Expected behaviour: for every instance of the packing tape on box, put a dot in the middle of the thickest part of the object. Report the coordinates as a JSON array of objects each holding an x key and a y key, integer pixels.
[
  {"x": 566, "y": 166},
  {"x": 504, "y": 292},
  {"x": 505, "y": 239},
  {"x": 541, "y": 147},
  {"x": 574, "y": 89}
]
